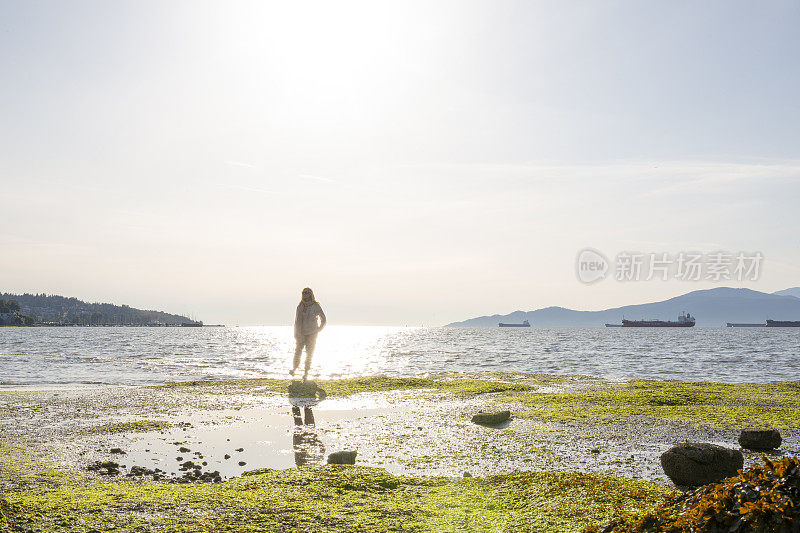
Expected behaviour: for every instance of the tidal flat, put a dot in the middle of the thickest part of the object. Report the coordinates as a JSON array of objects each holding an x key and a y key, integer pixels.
[{"x": 242, "y": 455}]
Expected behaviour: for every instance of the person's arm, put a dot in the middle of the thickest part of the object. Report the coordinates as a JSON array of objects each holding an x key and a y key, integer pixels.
[
  {"x": 322, "y": 319},
  {"x": 297, "y": 323}
]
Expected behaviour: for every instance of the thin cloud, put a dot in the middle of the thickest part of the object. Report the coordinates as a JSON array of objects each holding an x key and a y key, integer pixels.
[
  {"x": 318, "y": 178},
  {"x": 255, "y": 190},
  {"x": 240, "y": 164}
]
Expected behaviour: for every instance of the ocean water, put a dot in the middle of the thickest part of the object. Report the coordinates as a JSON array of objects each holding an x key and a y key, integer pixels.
[{"x": 143, "y": 356}]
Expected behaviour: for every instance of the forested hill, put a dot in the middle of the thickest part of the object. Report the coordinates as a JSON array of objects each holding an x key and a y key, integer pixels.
[{"x": 46, "y": 308}]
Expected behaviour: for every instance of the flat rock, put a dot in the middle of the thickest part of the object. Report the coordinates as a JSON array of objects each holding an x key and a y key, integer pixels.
[
  {"x": 693, "y": 463},
  {"x": 342, "y": 458},
  {"x": 305, "y": 389},
  {"x": 760, "y": 439},
  {"x": 491, "y": 419}
]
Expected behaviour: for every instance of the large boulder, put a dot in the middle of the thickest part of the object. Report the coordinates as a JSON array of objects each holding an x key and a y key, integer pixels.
[
  {"x": 491, "y": 419},
  {"x": 692, "y": 463},
  {"x": 760, "y": 439}
]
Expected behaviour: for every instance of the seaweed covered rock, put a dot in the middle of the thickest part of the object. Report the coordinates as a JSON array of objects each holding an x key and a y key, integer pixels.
[
  {"x": 342, "y": 458},
  {"x": 105, "y": 468},
  {"x": 491, "y": 419},
  {"x": 760, "y": 439},
  {"x": 306, "y": 389},
  {"x": 761, "y": 499},
  {"x": 691, "y": 464}
]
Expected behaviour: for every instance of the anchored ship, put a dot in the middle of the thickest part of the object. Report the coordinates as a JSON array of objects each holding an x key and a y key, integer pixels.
[
  {"x": 783, "y": 323},
  {"x": 685, "y": 320},
  {"x": 525, "y": 324}
]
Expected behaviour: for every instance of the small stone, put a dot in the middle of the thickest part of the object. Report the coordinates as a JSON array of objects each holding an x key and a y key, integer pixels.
[
  {"x": 342, "y": 458},
  {"x": 239, "y": 449},
  {"x": 183, "y": 449},
  {"x": 227, "y": 456},
  {"x": 760, "y": 439},
  {"x": 491, "y": 419},
  {"x": 467, "y": 474},
  {"x": 595, "y": 450},
  {"x": 242, "y": 463},
  {"x": 118, "y": 451}
]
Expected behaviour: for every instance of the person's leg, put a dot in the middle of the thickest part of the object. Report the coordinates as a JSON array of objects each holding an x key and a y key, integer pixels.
[
  {"x": 298, "y": 351},
  {"x": 311, "y": 343}
]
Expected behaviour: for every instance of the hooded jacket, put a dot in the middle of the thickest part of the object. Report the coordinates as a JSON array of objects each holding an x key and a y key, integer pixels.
[{"x": 305, "y": 320}]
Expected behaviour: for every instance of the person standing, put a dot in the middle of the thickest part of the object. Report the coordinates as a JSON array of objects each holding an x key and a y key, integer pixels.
[{"x": 308, "y": 321}]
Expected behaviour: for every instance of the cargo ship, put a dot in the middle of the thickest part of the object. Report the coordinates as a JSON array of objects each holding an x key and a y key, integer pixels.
[
  {"x": 783, "y": 323},
  {"x": 525, "y": 324},
  {"x": 684, "y": 321}
]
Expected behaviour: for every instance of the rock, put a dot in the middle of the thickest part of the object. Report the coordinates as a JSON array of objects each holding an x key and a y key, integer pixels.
[
  {"x": 140, "y": 471},
  {"x": 119, "y": 451},
  {"x": 227, "y": 456},
  {"x": 491, "y": 419},
  {"x": 306, "y": 389},
  {"x": 239, "y": 449},
  {"x": 760, "y": 439},
  {"x": 183, "y": 449},
  {"x": 242, "y": 463},
  {"x": 342, "y": 458},
  {"x": 467, "y": 474},
  {"x": 105, "y": 468},
  {"x": 692, "y": 464}
]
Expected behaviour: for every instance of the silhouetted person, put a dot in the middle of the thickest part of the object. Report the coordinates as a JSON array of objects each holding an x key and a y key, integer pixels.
[
  {"x": 308, "y": 449},
  {"x": 308, "y": 321}
]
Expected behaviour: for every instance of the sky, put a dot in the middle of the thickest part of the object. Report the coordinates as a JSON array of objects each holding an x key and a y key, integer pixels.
[{"x": 415, "y": 163}]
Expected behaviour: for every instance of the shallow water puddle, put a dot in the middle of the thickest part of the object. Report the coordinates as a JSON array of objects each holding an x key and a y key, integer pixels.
[{"x": 255, "y": 438}]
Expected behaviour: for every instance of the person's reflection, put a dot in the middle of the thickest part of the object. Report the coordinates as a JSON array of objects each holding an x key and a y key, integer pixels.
[{"x": 308, "y": 449}]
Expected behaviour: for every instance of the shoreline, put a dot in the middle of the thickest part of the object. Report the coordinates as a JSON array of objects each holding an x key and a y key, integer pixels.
[{"x": 415, "y": 429}]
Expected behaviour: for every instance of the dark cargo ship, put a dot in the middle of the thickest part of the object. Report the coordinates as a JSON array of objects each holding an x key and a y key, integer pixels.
[
  {"x": 525, "y": 324},
  {"x": 783, "y": 323},
  {"x": 684, "y": 321}
]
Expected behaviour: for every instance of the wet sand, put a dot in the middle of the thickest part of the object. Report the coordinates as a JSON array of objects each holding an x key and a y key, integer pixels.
[{"x": 417, "y": 431}]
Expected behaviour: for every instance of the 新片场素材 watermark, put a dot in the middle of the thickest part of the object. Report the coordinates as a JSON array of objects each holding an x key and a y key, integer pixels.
[{"x": 592, "y": 266}]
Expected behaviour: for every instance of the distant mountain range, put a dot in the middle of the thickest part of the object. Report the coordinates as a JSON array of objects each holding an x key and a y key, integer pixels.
[
  {"x": 711, "y": 307},
  {"x": 50, "y": 308},
  {"x": 794, "y": 291}
]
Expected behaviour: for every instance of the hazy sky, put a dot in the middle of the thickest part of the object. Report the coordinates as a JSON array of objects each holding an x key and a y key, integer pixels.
[{"x": 414, "y": 162}]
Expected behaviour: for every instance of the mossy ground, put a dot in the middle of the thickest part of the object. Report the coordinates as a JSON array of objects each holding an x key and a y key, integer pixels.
[
  {"x": 332, "y": 499},
  {"x": 461, "y": 384},
  {"x": 716, "y": 405},
  {"x": 129, "y": 427}
]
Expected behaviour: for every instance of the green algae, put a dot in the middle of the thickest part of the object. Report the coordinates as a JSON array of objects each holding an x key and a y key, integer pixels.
[
  {"x": 537, "y": 501},
  {"x": 140, "y": 426},
  {"x": 705, "y": 404},
  {"x": 457, "y": 384},
  {"x": 334, "y": 498}
]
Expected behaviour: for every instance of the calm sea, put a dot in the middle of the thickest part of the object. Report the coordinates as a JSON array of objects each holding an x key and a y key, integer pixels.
[{"x": 137, "y": 356}]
